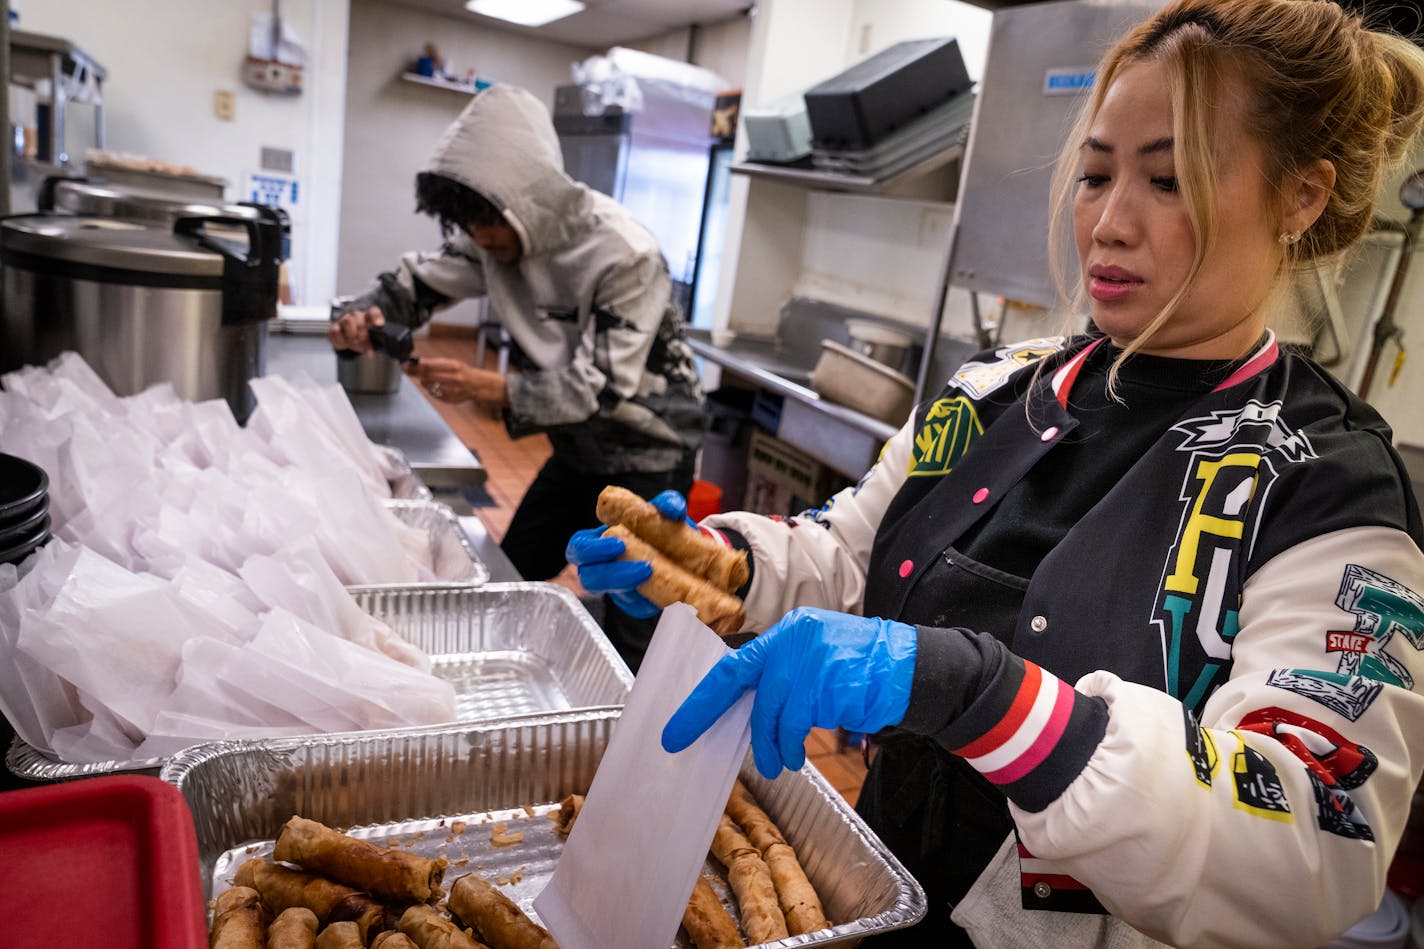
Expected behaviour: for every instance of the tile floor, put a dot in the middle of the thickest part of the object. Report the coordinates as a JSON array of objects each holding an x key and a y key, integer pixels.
[{"x": 512, "y": 465}]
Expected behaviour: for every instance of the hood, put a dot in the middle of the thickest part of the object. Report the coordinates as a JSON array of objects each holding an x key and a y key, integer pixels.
[{"x": 503, "y": 146}]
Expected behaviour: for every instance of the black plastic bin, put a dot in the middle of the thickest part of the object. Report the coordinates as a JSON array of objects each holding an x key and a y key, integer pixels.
[{"x": 861, "y": 106}]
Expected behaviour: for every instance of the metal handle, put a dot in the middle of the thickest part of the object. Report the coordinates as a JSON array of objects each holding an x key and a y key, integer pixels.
[
  {"x": 250, "y": 274},
  {"x": 260, "y": 249}
]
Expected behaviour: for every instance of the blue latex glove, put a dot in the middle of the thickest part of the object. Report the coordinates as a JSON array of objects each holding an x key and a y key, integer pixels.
[
  {"x": 813, "y": 668},
  {"x": 673, "y": 506},
  {"x": 600, "y": 570}
]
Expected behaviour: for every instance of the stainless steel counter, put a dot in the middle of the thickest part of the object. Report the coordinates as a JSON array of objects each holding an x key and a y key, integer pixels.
[
  {"x": 405, "y": 419},
  {"x": 846, "y": 440},
  {"x": 760, "y": 361}
]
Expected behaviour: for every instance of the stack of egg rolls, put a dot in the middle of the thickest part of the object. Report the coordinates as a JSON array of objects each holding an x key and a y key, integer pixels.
[{"x": 688, "y": 566}]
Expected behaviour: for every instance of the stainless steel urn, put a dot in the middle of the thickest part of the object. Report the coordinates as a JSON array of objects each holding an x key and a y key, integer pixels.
[{"x": 143, "y": 304}]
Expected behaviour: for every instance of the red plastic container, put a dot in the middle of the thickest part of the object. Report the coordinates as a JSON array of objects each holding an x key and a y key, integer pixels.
[
  {"x": 109, "y": 862},
  {"x": 703, "y": 500}
]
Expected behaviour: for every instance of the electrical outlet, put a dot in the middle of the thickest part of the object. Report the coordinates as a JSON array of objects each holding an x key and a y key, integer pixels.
[{"x": 225, "y": 105}]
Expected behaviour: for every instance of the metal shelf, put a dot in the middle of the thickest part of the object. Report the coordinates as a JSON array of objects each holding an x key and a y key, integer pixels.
[
  {"x": 73, "y": 76},
  {"x": 837, "y": 181},
  {"x": 35, "y": 56}
]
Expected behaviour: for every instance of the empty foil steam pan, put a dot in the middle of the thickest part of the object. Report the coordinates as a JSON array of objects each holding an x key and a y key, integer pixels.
[
  {"x": 405, "y": 484},
  {"x": 451, "y": 556},
  {"x": 441, "y": 791},
  {"x": 509, "y": 650}
]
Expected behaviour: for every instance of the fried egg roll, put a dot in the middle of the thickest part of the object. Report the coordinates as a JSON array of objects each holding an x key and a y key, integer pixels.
[
  {"x": 393, "y": 940},
  {"x": 429, "y": 930},
  {"x": 283, "y": 888},
  {"x": 385, "y": 873},
  {"x": 498, "y": 919},
  {"x": 239, "y": 921},
  {"x": 672, "y": 584},
  {"x": 686, "y": 546},
  {"x": 294, "y": 928},
  {"x": 751, "y": 883},
  {"x": 707, "y": 921},
  {"x": 345, "y": 935},
  {"x": 799, "y": 902}
]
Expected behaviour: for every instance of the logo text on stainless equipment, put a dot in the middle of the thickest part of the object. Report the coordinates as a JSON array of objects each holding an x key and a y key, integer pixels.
[{"x": 1067, "y": 80}]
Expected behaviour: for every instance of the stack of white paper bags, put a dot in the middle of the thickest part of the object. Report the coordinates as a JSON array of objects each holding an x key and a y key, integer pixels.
[{"x": 196, "y": 588}]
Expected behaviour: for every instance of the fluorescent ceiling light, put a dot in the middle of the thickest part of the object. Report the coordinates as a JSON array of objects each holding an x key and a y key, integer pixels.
[{"x": 525, "y": 12}]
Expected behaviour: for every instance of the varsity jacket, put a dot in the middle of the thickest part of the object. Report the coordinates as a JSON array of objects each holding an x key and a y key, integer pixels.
[
  {"x": 605, "y": 369},
  {"x": 1207, "y": 713}
]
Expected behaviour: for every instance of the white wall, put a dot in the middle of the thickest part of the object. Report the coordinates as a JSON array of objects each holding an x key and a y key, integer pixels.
[
  {"x": 165, "y": 60},
  {"x": 882, "y": 23},
  {"x": 392, "y": 125},
  {"x": 719, "y": 47}
]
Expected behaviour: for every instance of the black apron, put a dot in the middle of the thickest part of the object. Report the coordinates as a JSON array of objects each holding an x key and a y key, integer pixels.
[{"x": 938, "y": 815}]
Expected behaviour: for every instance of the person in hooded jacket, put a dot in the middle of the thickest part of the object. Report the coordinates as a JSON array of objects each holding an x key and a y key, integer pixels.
[{"x": 603, "y": 366}]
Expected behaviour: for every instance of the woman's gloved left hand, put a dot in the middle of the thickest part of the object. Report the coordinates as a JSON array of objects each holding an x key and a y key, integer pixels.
[
  {"x": 814, "y": 668},
  {"x": 601, "y": 571}
]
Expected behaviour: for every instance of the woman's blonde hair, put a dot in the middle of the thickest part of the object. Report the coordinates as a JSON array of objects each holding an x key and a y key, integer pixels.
[{"x": 1317, "y": 85}]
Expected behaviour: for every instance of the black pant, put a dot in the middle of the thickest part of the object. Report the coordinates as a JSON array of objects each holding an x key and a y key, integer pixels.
[{"x": 562, "y": 500}]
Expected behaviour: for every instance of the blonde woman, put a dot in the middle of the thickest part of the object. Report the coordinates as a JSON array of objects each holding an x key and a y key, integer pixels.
[{"x": 1144, "y": 607}]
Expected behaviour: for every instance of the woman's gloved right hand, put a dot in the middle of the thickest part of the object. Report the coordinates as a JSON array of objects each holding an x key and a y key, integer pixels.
[{"x": 600, "y": 570}]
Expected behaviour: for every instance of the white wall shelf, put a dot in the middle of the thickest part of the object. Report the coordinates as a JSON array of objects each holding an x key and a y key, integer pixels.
[{"x": 469, "y": 88}]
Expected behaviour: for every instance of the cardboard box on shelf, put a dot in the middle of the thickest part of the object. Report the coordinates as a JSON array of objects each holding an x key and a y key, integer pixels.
[{"x": 782, "y": 479}]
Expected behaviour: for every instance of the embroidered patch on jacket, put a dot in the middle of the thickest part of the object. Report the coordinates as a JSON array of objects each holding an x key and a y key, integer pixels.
[
  {"x": 1347, "y": 696},
  {"x": 1336, "y": 765},
  {"x": 1382, "y": 607},
  {"x": 950, "y": 427},
  {"x": 1201, "y": 750},
  {"x": 981, "y": 378},
  {"x": 1257, "y": 785},
  {"x": 1234, "y": 458}
]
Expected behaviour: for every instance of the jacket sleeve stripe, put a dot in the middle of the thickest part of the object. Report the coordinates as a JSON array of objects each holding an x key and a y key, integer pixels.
[
  {"x": 1028, "y": 733},
  {"x": 1044, "y": 743},
  {"x": 1028, "y": 687}
]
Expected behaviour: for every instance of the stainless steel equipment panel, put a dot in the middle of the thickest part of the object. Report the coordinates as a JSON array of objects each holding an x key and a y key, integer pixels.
[{"x": 1039, "y": 66}]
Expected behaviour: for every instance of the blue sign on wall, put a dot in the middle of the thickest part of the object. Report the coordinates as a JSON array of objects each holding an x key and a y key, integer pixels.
[{"x": 282, "y": 191}]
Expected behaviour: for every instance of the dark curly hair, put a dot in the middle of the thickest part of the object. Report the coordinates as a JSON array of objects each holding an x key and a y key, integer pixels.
[{"x": 453, "y": 204}]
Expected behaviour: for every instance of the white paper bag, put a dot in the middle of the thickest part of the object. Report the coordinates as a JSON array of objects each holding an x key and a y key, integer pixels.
[{"x": 628, "y": 868}]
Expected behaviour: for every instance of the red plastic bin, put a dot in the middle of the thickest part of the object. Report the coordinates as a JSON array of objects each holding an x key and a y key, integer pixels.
[{"x": 109, "y": 861}]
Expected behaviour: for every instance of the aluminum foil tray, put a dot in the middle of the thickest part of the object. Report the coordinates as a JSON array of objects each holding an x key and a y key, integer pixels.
[
  {"x": 451, "y": 556},
  {"x": 509, "y": 649},
  {"x": 405, "y": 484},
  {"x": 412, "y": 786}
]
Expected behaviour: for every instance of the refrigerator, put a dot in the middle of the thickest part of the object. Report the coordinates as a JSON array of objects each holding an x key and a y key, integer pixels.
[{"x": 654, "y": 160}]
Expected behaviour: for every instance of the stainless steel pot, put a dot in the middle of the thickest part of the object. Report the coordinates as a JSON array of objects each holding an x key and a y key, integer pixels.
[
  {"x": 149, "y": 202},
  {"x": 370, "y": 374},
  {"x": 142, "y": 304},
  {"x": 884, "y": 344}
]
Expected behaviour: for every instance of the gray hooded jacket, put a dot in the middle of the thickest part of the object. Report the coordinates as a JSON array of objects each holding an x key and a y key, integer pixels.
[{"x": 604, "y": 366}]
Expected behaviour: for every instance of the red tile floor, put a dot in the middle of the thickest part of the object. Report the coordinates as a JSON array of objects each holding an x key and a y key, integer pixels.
[{"x": 512, "y": 465}]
